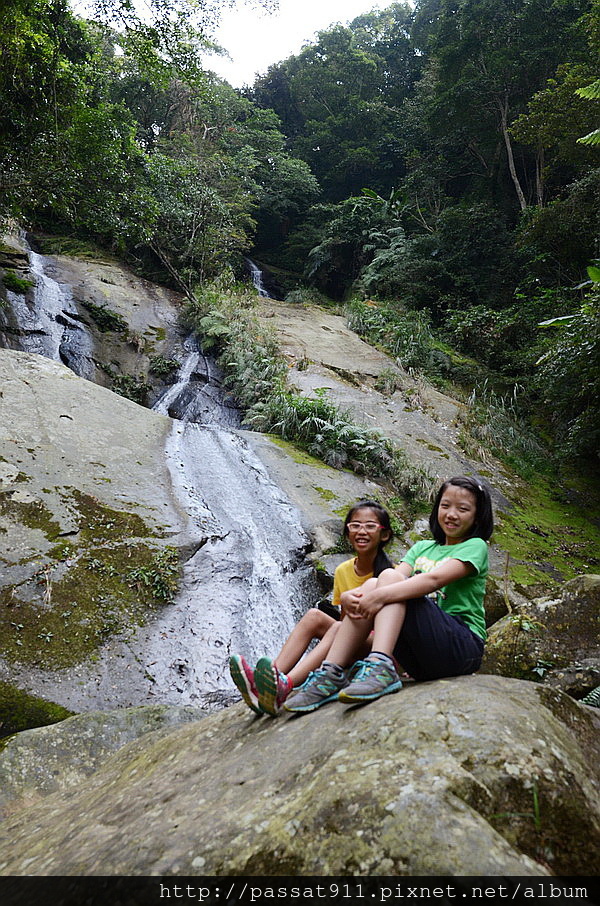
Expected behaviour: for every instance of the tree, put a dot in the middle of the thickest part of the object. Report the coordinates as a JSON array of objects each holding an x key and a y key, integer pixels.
[
  {"x": 569, "y": 377},
  {"x": 339, "y": 101},
  {"x": 489, "y": 58}
]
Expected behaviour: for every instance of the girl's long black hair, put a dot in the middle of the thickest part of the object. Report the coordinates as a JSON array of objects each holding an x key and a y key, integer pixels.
[
  {"x": 484, "y": 516},
  {"x": 382, "y": 561}
]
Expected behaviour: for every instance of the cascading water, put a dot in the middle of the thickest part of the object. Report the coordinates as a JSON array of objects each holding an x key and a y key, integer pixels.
[
  {"x": 49, "y": 324},
  {"x": 244, "y": 587},
  {"x": 196, "y": 395},
  {"x": 257, "y": 278}
]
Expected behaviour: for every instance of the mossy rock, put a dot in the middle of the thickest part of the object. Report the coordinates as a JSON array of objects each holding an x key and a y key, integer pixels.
[
  {"x": 21, "y": 711},
  {"x": 80, "y": 593},
  {"x": 548, "y": 637}
]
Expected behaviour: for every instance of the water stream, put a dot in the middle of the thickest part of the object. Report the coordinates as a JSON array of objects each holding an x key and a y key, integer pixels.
[
  {"x": 243, "y": 589},
  {"x": 257, "y": 278},
  {"x": 48, "y": 324}
]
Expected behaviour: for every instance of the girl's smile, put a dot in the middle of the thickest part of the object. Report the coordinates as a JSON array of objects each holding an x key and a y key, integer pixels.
[
  {"x": 365, "y": 531},
  {"x": 457, "y": 511}
]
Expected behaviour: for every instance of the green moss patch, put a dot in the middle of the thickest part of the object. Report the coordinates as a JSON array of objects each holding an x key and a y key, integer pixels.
[
  {"x": 325, "y": 493},
  {"x": 550, "y": 533},
  {"x": 297, "y": 453},
  {"x": 16, "y": 284},
  {"x": 20, "y": 711},
  {"x": 112, "y": 579}
]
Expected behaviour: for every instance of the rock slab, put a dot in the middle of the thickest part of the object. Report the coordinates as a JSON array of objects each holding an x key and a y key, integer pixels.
[{"x": 476, "y": 775}]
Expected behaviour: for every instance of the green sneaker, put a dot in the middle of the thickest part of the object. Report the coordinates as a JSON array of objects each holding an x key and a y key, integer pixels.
[
  {"x": 273, "y": 687},
  {"x": 370, "y": 680},
  {"x": 319, "y": 687}
]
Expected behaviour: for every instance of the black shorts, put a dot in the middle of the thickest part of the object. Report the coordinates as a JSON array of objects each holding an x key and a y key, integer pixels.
[{"x": 433, "y": 643}]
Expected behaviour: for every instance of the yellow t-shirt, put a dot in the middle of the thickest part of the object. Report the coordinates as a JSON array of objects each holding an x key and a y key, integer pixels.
[{"x": 345, "y": 578}]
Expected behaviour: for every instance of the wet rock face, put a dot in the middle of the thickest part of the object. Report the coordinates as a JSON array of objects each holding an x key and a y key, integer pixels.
[
  {"x": 553, "y": 639},
  {"x": 475, "y": 775}
]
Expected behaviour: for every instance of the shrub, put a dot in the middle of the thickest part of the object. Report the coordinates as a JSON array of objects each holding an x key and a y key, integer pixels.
[
  {"x": 569, "y": 379},
  {"x": 492, "y": 422},
  {"x": 106, "y": 319},
  {"x": 405, "y": 334},
  {"x": 16, "y": 284},
  {"x": 162, "y": 367},
  {"x": 256, "y": 374}
]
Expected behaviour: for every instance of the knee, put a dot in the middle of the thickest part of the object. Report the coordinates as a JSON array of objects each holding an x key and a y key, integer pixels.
[
  {"x": 386, "y": 576},
  {"x": 316, "y": 622}
]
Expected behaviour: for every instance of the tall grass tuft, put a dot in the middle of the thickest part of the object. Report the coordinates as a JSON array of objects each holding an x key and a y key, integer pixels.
[{"x": 493, "y": 421}]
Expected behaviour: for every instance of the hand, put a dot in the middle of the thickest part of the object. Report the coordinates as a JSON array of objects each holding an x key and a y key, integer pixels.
[
  {"x": 350, "y": 601},
  {"x": 368, "y": 605}
]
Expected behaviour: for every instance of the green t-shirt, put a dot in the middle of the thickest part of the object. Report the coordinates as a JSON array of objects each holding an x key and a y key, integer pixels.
[{"x": 463, "y": 598}]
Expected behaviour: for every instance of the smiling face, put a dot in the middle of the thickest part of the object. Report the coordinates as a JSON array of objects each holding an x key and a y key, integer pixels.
[
  {"x": 365, "y": 532},
  {"x": 457, "y": 511}
]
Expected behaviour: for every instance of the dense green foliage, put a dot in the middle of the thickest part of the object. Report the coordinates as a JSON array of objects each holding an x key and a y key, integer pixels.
[
  {"x": 478, "y": 205},
  {"x": 438, "y": 162},
  {"x": 120, "y": 136}
]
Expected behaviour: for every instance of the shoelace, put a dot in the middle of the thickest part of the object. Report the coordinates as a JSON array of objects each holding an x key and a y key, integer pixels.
[{"x": 365, "y": 669}]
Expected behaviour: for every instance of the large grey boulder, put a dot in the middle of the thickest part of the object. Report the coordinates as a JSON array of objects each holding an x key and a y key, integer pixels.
[
  {"x": 476, "y": 775},
  {"x": 86, "y": 512},
  {"x": 38, "y": 762}
]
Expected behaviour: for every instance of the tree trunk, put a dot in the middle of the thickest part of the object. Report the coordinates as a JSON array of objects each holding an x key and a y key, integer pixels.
[
  {"x": 503, "y": 108},
  {"x": 539, "y": 177}
]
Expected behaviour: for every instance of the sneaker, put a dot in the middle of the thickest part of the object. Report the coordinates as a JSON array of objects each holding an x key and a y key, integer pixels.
[
  {"x": 370, "y": 680},
  {"x": 273, "y": 687},
  {"x": 319, "y": 687},
  {"x": 243, "y": 677}
]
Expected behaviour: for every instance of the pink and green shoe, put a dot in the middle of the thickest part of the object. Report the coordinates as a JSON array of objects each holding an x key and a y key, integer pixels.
[
  {"x": 243, "y": 677},
  {"x": 273, "y": 687}
]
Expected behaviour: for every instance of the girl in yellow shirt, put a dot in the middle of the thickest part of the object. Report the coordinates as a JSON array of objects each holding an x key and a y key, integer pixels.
[{"x": 266, "y": 687}]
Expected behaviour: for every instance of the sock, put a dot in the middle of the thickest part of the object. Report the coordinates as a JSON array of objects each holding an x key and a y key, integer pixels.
[
  {"x": 384, "y": 658},
  {"x": 333, "y": 669}
]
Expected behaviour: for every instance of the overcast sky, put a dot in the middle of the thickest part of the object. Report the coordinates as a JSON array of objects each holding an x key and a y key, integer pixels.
[{"x": 255, "y": 40}]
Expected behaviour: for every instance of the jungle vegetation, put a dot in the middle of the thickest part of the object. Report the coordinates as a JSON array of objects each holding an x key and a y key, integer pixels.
[{"x": 436, "y": 168}]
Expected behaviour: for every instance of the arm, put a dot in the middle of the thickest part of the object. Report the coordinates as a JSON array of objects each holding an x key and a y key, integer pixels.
[
  {"x": 351, "y": 599},
  {"x": 372, "y": 601}
]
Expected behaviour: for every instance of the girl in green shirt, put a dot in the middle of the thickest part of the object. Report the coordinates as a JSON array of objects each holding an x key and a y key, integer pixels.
[{"x": 427, "y": 612}]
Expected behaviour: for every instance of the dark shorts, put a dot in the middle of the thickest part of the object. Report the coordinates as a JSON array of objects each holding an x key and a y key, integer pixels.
[{"x": 433, "y": 644}]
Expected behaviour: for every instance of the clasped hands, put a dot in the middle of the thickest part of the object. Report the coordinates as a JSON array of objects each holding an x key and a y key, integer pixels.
[{"x": 360, "y": 605}]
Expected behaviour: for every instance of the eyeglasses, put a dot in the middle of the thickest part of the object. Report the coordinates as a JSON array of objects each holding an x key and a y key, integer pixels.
[{"x": 367, "y": 526}]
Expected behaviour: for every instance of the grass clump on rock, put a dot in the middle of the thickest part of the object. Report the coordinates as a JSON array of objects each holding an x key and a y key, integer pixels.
[{"x": 16, "y": 284}]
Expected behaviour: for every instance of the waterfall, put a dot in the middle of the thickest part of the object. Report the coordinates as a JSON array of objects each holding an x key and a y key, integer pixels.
[
  {"x": 247, "y": 583},
  {"x": 244, "y": 589},
  {"x": 196, "y": 394},
  {"x": 257, "y": 279},
  {"x": 49, "y": 324}
]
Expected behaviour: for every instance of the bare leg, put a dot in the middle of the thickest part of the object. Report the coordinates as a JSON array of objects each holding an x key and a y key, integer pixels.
[
  {"x": 314, "y": 658},
  {"x": 349, "y": 639},
  {"x": 314, "y": 625},
  {"x": 388, "y": 622},
  {"x": 387, "y": 626}
]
